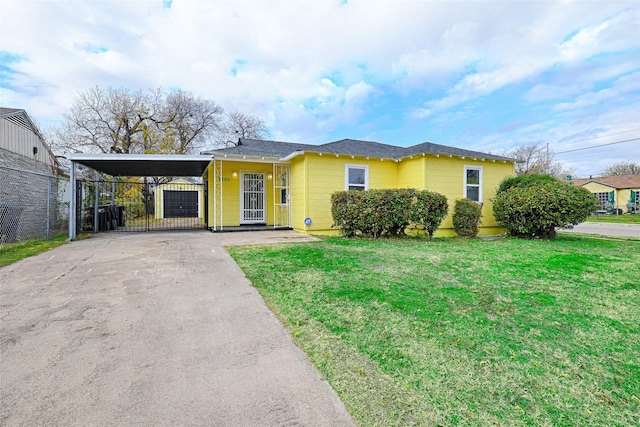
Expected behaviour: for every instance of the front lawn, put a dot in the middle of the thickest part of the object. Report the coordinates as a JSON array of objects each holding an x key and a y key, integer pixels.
[
  {"x": 12, "y": 252},
  {"x": 455, "y": 332}
]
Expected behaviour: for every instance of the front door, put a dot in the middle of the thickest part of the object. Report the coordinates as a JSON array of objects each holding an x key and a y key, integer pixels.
[{"x": 252, "y": 203}]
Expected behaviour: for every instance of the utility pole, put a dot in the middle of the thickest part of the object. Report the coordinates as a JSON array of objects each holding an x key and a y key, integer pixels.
[{"x": 548, "y": 158}]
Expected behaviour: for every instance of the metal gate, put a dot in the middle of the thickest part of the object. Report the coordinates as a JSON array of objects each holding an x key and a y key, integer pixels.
[
  {"x": 252, "y": 203},
  {"x": 131, "y": 205}
]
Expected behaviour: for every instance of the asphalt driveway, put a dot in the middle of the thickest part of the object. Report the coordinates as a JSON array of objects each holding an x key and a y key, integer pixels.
[
  {"x": 607, "y": 229},
  {"x": 151, "y": 329}
]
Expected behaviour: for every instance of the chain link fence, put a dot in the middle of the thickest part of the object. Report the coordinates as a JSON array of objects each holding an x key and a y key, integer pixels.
[{"x": 33, "y": 205}]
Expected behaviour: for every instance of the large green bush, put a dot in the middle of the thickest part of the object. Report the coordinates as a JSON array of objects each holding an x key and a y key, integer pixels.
[
  {"x": 535, "y": 210},
  {"x": 427, "y": 211},
  {"x": 387, "y": 212},
  {"x": 525, "y": 181},
  {"x": 466, "y": 218}
]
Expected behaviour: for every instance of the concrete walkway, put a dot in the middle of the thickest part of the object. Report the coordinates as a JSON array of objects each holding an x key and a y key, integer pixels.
[{"x": 151, "y": 329}]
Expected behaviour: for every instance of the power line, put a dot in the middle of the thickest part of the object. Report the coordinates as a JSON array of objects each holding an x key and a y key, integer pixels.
[
  {"x": 597, "y": 137},
  {"x": 596, "y": 146}
]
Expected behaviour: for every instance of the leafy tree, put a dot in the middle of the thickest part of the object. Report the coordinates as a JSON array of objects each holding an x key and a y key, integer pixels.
[
  {"x": 238, "y": 125},
  {"x": 535, "y": 211},
  {"x": 621, "y": 168}
]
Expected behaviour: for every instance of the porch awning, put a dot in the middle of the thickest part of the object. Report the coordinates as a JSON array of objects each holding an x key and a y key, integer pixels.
[{"x": 144, "y": 164}]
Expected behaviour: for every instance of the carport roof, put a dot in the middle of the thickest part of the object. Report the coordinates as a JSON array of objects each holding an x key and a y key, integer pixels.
[{"x": 144, "y": 164}]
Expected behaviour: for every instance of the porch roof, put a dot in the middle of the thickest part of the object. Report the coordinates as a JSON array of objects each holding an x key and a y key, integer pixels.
[{"x": 144, "y": 164}]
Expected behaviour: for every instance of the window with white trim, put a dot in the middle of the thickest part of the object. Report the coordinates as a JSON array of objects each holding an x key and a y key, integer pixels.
[
  {"x": 473, "y": 183},
  {"x": 356, "y": 177}
]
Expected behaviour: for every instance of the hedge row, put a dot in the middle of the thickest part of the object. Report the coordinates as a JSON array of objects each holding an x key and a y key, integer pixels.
[{"x": 387, "y": 212}]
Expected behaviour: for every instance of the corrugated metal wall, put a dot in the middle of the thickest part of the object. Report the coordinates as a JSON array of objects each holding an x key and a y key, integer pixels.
[{"x": 21, "y": 140}]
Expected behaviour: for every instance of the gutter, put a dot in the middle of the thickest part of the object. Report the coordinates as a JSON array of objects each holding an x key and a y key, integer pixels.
[
  {"x": 244, "y": 157},
  {"x": 292, "y": 155}
]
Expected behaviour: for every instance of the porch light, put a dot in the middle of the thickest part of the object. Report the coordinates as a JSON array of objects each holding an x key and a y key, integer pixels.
[
  {"x": 234, "y": 174},
  {"x": 270, "y": 176}
]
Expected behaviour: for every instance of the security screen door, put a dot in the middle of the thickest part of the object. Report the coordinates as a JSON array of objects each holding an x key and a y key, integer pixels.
[{"x": 253, "y": 198}]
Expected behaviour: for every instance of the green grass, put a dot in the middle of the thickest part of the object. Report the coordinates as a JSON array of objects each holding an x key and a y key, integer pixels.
[
  {"x": 12, "y": 252},
  {"x": 455, "y": 332},
  {"x": 618, "y": 219}
]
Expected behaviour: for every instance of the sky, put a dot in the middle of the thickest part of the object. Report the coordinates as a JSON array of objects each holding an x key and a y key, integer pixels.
[{"x": 481, "y": 75}]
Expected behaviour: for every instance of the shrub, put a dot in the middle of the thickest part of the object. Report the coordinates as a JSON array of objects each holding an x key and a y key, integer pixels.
[
  {"x": 427, "y": 211},
  {"x": 466, "y": 217},
  {"x": 387, "y": 212},
  {"x": 535, "y": 211},
  {"x": 524, "y": 181}
]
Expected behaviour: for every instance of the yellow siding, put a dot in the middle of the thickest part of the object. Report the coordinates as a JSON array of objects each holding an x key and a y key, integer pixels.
[
  {"x": 326, "y": 175},
  {"x": 231, "y": 191},
  {"x": 594, "y": 187},
  {"x": 445, "y": 175},
  {"x": 298, "y": 193},
  {"x": 314, "y": 178},
  {"x": 411, "y": 173},
  {"x": 622, "y": 197}
]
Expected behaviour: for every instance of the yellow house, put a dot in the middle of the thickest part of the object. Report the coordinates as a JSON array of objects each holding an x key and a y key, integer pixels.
[
  {"x": 614, "y": 192},
  {"x": 289, "y": 185},
  {"x": 179, "y": 199}
]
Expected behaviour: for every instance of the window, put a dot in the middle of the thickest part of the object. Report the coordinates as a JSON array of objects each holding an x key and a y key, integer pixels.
[
  {"x": 603, "y": 200},
  {"x": 473, "y": 183},
  {"x": 357, "y": 177}
]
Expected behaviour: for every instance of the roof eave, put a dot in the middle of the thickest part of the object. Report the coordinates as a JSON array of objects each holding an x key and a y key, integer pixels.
[
  {"x": 484, "y": 159},
  {"x": 246, "y": 157}
]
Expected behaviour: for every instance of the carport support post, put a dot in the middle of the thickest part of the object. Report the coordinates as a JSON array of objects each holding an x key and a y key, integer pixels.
[
  {"x": 48, "y": 208},
  {"x": 96, "y": 221},
  {"x": 72, "y": 205}
]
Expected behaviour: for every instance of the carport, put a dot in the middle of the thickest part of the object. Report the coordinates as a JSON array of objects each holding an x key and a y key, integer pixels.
[{"x": 131, "y": 165}]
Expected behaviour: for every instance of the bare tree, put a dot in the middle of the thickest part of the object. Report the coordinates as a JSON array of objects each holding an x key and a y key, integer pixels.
[
  {"x": 537, "y": 159},
  {"x": 104, "y": 120},
  {"x": 119, "y": 120},
  {"x": 189, "y": 120},
  {"x": 621, "y": 168},
  {"x": 238, "y": 125}
]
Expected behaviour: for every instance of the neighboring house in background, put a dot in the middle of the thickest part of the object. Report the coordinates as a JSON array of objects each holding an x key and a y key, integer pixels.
[
  {"x": 179, "y": 199},
  {"x": 285, "y": 184},
  {"x": 614, "y": 192},
  {"x": 28, "y": 180}
]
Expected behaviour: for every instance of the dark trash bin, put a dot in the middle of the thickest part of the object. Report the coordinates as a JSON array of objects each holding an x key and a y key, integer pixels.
[
  {"x": 9, "y": 223},
  {"x": 110, "y": 217},
  {"x": 122, "y": 216}
]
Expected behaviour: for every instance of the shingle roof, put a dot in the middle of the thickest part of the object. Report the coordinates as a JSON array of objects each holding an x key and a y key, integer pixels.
[
  {"x": 431, "y": 148},
  {"x": 264, "y": 148},
  {"x": 352, "y": 147},
  {"x": 619, "y": 182},
  {"x": 355, "y": 147}
]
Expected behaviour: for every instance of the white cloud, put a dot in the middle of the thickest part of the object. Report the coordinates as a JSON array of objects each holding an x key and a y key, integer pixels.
[
  {"x": 618, "y": 90},
  {"x": 312, "y": 68}
]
